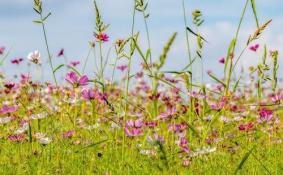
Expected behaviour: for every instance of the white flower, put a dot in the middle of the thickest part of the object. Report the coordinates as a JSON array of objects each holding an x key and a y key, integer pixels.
[
  {"x": 205, "y": 150},
  {"x": 34, "y": 57},
  {"x": 5, "y": 119},
  {"x": 39, "y": 116},
  {"x": 44, "y": 140},
  {"x": 22, "y": 129}
]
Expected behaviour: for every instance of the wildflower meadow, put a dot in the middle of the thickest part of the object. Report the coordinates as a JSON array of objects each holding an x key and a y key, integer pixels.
[{"x": 120, "y": 110}]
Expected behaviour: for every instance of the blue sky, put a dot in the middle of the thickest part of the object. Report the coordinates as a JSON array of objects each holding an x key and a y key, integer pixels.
[{"x": 72, "y": 23}]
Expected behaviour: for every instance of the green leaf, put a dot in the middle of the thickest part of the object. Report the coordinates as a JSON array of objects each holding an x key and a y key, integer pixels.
[
  {"x": 166, "y": 49},
  {"x": 230, "y": 50},
  {"x": 244, "y": 159},
  {"x": 58, "y": 67},
  {"x": 37, "y": 21},
  {"x": 91, "y": 145},
  {"x": 191, "y": 31},
  {"x": 236, "y": 84},
  {"x": 216, "y": 79},
  {"x": 46, "y": 16},
  {"x": 147, "y": 54},
  {"x": 254, "y": 12}
]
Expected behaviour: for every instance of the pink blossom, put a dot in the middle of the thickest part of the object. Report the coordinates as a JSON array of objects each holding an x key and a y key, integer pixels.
[
  {"x": 9, "y": 85},
  {"x": 75, "y": 80},
  {"x": 276, "y": 98},
  {"x": 17, "y": 61},
  {"x": 25, "y": 78},
  {"x": 17, "y": 137},
  {"x": 74, "y": 63},
  {"x": 137, "y": 123},
  {"x": 254, "y": 47},
  {"x": 8, "y": 109},
  {"x": 265, "y": 115},
  {"x": 222, "y": 60},
  {"x": 168, "y": 114},
  {"x": 122, "y": 67},
  {"x": 102, "y": 37},
  {"x": 245, "y": 127},
  {"x": 133, "y": 132},
  {"x": 89, "y": 94},
  {"x": 60, "y": 53},
  {"x": 69, "y": 133},
  {"x": 2, "y": 49}
]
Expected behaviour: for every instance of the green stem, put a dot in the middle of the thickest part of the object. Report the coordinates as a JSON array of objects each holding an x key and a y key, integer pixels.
[
  {"x": 128, "y": 82},
  {"x": 86, "y": 60},
  {"x": 147, "y": 36},
  {"x": 101, "y": 62},
  {"x": 48, "y": 51},
  {"x": 231, "y": 68}
]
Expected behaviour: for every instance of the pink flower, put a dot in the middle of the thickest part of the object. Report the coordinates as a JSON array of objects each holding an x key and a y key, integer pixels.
[
  {"x": 8, "y": 109},
  {"x": 168, "y": 114},
  {"x": 222, "y": 60},
  {"x": 2, "y": 49},
  {"x": 89, "y": 94},
  {"x": 245, "y": 127},
  {"x": 76, "y": 81},
  {"x": 122, "y": 67},
  {"x": 186, "y": 163},
  {"x": 178, "y": 128},
  {"x": 60, "y": 53},
  {"x": 254, "y": 47},
  {"x": 17, "y": 61},
  {"x": 139, "y": 74},
  {"x": 9, "y": 85},
  {"x": 133, "y": 132},
  {"x": 137, "y": 123},
  {"x": 25, "y": 78},
  {"x": 183, "y": 143},
  {"x": 276, "y": 98},
  {"x": 265, "y": 115},
  {"x": 69, "y": 133},
  {"x": 151, "y": 124},
  {"x": 74, "y": 63},
  {"x": 103, "y": 37},
  {"x": 17, "y": 137}
]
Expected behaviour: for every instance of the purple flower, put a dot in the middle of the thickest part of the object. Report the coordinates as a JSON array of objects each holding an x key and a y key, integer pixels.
[
  {"x": 137, "y": 123},
  {"x": 133, "y": 132},
  {"x": 254, "y": 47},
  {"x": 2, "y": 49},
  {"x": 25, "y": 78},
  {"x": 74, "y": 63},
  {"x": 122, "y": 67},
  {"x": 276, "y": 98},
  {"x": 222, "y": 60},
  {"x": 69, "y": 133},
  {"x": 60, "y": 53},
  {"x": 8, "y": 109},
  {"x": 75, "y": 80},
  {"x": 168, "y": 114},
  {"x": 265, "y": 115},
  {"x": 89, "y": 94},
  {"x": 17, "y": 137}
]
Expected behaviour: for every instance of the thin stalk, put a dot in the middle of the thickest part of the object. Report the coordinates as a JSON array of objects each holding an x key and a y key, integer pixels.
[
  {"x": 114, "y": 67},
  {"x": 236, "y": 39},
  {"x": 147, "y": 36},
  {"x": 101, "y": 62},
  {"x": 190, "y": 63},
  {"x": 86, "y": 60},
  {"x": 48, "y": 51},
  {"x": 128, "y": 82}
]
